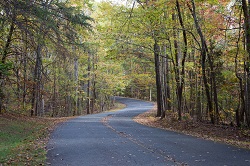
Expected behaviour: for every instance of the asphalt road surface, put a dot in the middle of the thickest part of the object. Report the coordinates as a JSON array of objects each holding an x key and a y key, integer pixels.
[{"x": 114, "y": 139}]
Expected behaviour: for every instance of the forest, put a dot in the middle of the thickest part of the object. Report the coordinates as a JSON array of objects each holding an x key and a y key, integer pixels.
[{"x": 70, "y": 57}]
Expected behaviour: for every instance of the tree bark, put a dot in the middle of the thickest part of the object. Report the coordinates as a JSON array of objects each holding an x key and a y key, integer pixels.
[
  {"x": 182, "y": 69},
  {"x": 246, "y": 10},
  {"x": 37, "y": 98},
  {"x": 88, "y": 85},
  {"x": 163, "y": 82},
  {"x": 240, "y": 110},
  {"x": 213, "y": 85},
  {"x": 25, "y": 71},
  {"x": 75, "y": 111},
  {"x": 177, "y": 67},
  {"x": 158, "y": 78}
]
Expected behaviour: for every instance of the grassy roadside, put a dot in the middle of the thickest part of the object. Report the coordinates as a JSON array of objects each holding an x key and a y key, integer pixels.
[{"x": 23, "y": 139}]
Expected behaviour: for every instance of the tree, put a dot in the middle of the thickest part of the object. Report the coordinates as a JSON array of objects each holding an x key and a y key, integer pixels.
[
  {"x": 44, "y": 23},
  {"x": 246, "y": 10}
]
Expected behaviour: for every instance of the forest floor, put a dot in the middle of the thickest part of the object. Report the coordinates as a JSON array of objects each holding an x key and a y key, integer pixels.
[
  {"x": 219, "y": 133},
  {"x": 23, "y": 139}
]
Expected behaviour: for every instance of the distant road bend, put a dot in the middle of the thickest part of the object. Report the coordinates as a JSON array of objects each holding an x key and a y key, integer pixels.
[{"x": 114, "y": 139}]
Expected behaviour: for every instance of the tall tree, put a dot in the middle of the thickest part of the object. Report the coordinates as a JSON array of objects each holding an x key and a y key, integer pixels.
[
  {"x": 204, "y": 51},
  {"x": 46, "y": 22},
  {"x": 246, "y": 11}
]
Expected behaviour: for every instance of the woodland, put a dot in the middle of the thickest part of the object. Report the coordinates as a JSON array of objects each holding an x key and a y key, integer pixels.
[{"x": 70, "y": 57}]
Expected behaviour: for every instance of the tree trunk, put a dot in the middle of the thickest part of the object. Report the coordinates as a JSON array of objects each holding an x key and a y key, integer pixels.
[
  {"x": 168, "y": 107},
  {"x": 24, "y": 74},
  {"x": 158, "y": 78},
  {"x": 182, "y": 72},
  {"x": 203, "y": 60},
  {"x": 37, "y": 98},
  {"x": 75, "y": 111},
  {"x": 246, "y": 10},
  {"x": 88, "y": 85},
  {"x": 213, "y": 84},
  {"x": 3, "y": 60},
  {"x": 240, "y": 110},
  {"x": 94, "y": 96},
  {"x": 54, "y": 94},
  {"x": 163, "y": 82},
  {"x": 18, "y": 88},
  {"x": 177, "y": 70}
]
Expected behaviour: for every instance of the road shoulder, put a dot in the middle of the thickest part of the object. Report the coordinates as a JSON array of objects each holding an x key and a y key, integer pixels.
[{"x": 218, "y": 133}]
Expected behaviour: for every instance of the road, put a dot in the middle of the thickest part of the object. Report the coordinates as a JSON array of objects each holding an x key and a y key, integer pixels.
[{"x": 114, "y": 139}]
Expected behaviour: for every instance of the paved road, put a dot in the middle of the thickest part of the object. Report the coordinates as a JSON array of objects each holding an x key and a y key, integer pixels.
[{"x": 114, "y": 139}]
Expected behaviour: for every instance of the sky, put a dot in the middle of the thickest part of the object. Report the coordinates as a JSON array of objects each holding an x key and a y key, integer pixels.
[{"x": 114, "y": 1}]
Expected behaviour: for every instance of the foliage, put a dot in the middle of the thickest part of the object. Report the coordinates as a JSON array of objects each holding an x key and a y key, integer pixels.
[
  {"x": 5, "y": 68},
  {"x": 49, "y": 59},
  {"x": 131, "y": 32}
]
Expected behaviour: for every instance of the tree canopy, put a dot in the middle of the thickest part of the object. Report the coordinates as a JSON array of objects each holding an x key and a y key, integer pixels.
[{"x": 61, "y": 58}]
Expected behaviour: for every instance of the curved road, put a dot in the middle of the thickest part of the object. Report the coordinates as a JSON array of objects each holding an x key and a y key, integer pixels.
[{"x": 114, "y": 139}]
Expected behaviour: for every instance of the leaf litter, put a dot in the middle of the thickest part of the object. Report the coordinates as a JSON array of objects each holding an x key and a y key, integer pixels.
[{"x": 219, "y": 133}]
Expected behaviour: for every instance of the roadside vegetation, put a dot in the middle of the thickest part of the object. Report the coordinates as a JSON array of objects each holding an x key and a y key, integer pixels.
[
  {"x": 231, "y": 135},
  {"x": 67, "y": 58},
  {"x": 23, "y": 139}
]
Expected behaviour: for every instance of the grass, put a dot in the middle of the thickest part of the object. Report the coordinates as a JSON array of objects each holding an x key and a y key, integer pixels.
[
  {"x": 23, "y": 139},
  {"x": 19, "y": 137}
]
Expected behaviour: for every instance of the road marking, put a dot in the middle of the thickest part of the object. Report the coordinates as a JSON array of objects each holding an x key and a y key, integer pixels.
[{"x": 130, "y": 138}]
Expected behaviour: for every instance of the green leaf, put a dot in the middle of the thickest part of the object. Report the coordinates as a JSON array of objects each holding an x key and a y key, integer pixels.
[{"x": 6, "y": 67}]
